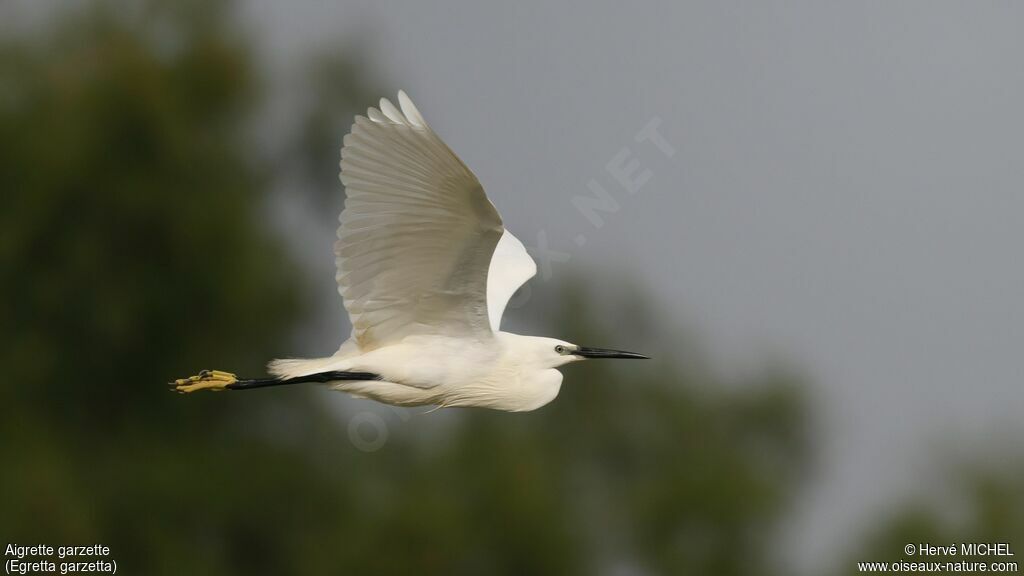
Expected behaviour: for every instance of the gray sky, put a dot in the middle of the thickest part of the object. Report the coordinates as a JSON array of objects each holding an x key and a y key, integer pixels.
[{"x": 846, "y": 193}]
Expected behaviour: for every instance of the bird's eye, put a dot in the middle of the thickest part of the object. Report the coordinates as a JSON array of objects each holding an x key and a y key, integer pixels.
[{"x": 560, "y": 349}]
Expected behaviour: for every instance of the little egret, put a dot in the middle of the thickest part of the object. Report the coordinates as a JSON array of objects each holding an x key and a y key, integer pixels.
[{"x": 425, "y": 269}]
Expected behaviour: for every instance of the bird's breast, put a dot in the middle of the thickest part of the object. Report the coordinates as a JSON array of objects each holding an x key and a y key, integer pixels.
[{"x": 535, "y": 389}]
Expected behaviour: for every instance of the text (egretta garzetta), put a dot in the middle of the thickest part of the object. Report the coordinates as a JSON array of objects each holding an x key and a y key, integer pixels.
[{"x": 425, "y": 269}]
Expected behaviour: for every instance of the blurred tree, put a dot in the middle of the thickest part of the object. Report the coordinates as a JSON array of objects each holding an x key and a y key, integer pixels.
[
  {"x": 134, "y": 249},
  {"x": 133, "y": 209},
  {"x": 980, "y": 502}
]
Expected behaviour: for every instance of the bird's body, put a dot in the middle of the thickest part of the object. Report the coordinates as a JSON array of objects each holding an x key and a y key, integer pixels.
[
  {"x": 504, "y": 372},
  {"x": 425, "y": 269}
]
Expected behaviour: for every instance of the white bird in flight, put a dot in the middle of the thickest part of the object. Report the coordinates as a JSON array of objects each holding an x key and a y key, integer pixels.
[{"x": 425, "y": 269}]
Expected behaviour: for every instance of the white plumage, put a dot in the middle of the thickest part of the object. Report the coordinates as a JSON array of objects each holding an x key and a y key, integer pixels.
[{"x": 425, "y": 269}]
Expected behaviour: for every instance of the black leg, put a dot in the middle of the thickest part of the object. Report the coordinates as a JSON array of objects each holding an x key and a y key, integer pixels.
[{"x": 320, "y": 377}]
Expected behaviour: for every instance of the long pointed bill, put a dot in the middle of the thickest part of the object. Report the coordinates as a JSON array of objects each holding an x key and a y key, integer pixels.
[{"x": 586, "y": 352}]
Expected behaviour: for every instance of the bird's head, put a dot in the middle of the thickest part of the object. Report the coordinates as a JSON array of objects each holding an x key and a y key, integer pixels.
[{"x": 552, "y": 353}]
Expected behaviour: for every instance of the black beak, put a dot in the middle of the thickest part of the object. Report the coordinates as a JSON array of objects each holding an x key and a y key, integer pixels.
[{"x": 603, "y": 353}]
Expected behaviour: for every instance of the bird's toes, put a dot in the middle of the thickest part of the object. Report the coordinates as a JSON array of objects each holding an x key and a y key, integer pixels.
[{"x": 215, "y": 380}]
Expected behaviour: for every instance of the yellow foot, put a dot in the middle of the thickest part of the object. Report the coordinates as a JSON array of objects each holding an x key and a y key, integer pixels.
[{"x": 206, "y": 380}]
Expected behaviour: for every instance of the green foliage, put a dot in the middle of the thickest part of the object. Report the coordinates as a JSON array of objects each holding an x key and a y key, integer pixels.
[
  {"x": 981, "y": 504},
  {"x": 133, "y": 251}
]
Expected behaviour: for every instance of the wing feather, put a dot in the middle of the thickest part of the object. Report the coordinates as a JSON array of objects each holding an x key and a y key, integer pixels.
[
  {"x": 510, "y": 268},
  {"x": 417, "y": 232}
]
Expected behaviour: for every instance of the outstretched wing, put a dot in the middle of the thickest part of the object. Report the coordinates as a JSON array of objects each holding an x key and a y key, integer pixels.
[{"x": 417, "y": 232}]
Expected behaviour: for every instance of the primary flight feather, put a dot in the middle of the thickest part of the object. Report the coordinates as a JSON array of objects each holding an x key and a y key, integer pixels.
[{"x": 425, "y": 270}]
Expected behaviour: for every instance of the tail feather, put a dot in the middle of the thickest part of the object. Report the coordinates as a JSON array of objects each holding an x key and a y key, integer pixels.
[{"x": 296, "y": 367}]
